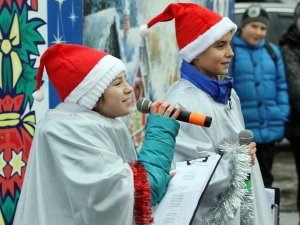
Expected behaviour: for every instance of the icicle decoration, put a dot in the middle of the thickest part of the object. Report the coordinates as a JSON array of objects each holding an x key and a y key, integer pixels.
[{"x": 236, "y": 196}]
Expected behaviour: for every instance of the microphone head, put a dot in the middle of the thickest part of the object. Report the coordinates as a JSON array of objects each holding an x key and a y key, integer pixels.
[
  {"x": 245, "y": 136},
  {"x": 143, "y": 105}
]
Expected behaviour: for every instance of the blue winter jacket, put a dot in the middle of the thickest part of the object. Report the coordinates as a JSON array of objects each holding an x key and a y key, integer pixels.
[{"x": 261, "y": 86}]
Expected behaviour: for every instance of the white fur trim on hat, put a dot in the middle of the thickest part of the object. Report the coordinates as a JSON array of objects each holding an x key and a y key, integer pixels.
[
  {"x": 90, "y": 89},
  {"x": 38, "y": 95},
  {"x": 215, "y": 33},
  {"x": 144, "y": 30}
]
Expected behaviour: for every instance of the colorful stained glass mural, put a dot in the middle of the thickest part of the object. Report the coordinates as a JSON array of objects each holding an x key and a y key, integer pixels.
[
  {"x": 19, "y": 38},
  {"x": 24, "y": 34}
]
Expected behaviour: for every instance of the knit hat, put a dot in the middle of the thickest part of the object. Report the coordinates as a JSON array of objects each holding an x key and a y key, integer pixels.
[
  {"x": 255, "y": 14},
  {"x": 79, "y": 74},
  {"x": 297, "y": 12},
  {"x": 197, "y": 28}
]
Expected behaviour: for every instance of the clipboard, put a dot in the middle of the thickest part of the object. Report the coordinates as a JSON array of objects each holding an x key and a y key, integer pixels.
[
  {"x": 273, "y": 196},
  {"x": 185, "y": 190}
]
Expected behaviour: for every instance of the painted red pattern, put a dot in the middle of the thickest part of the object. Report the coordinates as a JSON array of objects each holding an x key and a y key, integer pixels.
[
  {"x": 20, "y": 3},
  {"x": 14, "y": 140}
]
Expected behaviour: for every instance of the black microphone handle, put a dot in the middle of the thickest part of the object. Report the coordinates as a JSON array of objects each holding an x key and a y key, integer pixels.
[
  {"x": 183, "y": 116},
  {"x": 143, "y": 105}
]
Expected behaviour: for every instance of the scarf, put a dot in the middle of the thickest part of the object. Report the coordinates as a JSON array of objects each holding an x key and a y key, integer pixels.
[{"x": 219, "y": 89}]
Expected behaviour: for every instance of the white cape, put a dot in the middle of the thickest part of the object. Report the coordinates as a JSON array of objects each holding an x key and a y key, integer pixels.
[
  {"x": 77, "y": 172},
  {"x": 227, "y": 122}
]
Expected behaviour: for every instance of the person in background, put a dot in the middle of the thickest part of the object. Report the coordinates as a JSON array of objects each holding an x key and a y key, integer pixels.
[
  {"x": 83, "y": 168},
  {"x": 260, "y": 83},
  {"x": 290, "y": 48},
  {"x": 204, "y": 41}
]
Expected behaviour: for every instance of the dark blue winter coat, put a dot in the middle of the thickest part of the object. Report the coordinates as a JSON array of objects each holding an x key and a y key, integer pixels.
[{"x": 261, "y": 85}]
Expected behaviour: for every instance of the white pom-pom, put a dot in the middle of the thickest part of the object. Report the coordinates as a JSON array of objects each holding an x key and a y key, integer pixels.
[
  {"x": 144, "y": 30},
  {"x": 38, "y": 95}
]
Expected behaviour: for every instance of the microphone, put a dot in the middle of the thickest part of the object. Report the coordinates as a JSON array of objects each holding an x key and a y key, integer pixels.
[
  {"x": 143, "y": 105},
  {"x": 245, "y": 138}
]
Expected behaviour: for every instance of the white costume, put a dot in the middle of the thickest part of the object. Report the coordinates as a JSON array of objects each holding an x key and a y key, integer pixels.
[
  {"x": 75, "y": 153},
  {"x": 197, "y": 29},
  {"x": 83, "y": 168},
  {"x": 227, "y": 122}
]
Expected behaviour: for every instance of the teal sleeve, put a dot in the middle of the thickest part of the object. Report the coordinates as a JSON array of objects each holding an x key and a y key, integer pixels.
[{"x": 157, "y": 153}]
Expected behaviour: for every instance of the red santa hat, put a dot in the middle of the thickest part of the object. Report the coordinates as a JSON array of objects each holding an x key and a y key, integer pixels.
[
  {"x": 197, "y": 28},
  {"x": 79, "y": 74}
]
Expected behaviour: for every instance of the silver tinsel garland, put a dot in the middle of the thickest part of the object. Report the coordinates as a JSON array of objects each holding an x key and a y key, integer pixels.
[{"x": 236, "y": 196}]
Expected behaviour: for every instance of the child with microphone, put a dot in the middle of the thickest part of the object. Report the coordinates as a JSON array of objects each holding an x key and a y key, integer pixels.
[
  {"x": 83, "y": 168},
  {"x": 204, "y": 42}
]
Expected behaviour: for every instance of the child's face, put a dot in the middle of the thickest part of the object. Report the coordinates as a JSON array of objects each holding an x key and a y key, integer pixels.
[
  {"x": 215, "y": 60},
  {"x": 116, "y": 100},
  {"x": 254, "y": 32}
]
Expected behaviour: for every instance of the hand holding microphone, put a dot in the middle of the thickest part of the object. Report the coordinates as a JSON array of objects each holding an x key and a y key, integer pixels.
[
  {"x": 245, "y": 138},
  {"x": 165, "y": 109},
  {"x": 144, "y": 105}
]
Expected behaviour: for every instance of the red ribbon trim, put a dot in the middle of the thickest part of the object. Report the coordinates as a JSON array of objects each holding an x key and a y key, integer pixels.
[{"x": 142, "y": 205}]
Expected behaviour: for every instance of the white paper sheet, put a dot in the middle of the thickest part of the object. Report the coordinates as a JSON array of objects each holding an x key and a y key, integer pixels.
[{"x": 184, "y": 190}]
